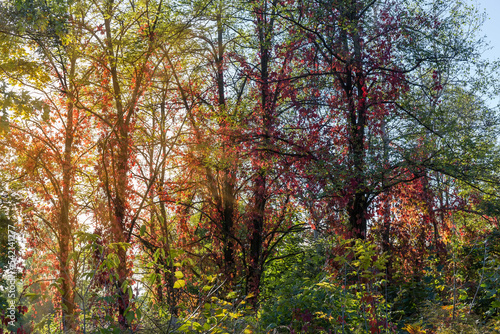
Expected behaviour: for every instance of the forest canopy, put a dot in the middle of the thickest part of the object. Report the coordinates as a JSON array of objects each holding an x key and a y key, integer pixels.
[{"x": 256, "y": 166}]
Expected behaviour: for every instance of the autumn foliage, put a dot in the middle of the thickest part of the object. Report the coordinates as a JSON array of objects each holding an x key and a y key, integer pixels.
[{"x": 249, "y": 167}]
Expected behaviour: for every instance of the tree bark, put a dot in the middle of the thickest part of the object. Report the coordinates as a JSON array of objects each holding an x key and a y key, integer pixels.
[{"x": 65, "y": 228}]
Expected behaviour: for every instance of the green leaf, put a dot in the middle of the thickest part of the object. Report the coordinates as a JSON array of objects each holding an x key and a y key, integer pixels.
[{"x": 496, "y": 304}]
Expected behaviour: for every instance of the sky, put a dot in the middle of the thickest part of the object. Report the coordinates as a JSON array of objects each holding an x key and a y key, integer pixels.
[{"x": 491, "y": 27}]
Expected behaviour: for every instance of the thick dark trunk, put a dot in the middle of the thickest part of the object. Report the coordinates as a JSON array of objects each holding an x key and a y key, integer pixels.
[
  {"x": 358, "y": 204},
  {"x": 357, "y": 215},
  {"x": 228, "y": 221},
  {"x": 119, "y": 221},
  {"x": 68, "y": 305},
  {"x": 257, "y": 227},
  {"x": 255, "y": 265},
  {"x": 430, "y": 211},
  {"x": 355, "y": 91},
  {"x": 386, "y": 233}
]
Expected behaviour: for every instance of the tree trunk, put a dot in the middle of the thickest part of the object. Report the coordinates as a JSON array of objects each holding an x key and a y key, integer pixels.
[
  {"x": 353, "y": 79},
  {"x": 228, "y": 200},
  {"x": 265, "y": 29},
  {"x": 120, "y": 172},
  {"x": 257, "y": 227},
  {"x": 119, "y": 222},
  {"x": 65, "y": 229}
]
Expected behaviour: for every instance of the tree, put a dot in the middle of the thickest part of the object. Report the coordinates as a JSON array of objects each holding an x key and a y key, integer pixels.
[
  {"x": 122, "y": 56},
  {"x": 364, "y": 58},
  {"x": 50, "y": 167}
]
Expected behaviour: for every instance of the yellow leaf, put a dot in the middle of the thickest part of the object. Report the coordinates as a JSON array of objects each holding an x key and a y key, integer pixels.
[
  {"x": 250, "y": 295},
  {"x": 179, "y": 284},
  {"x": 414, "y": 329}
]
